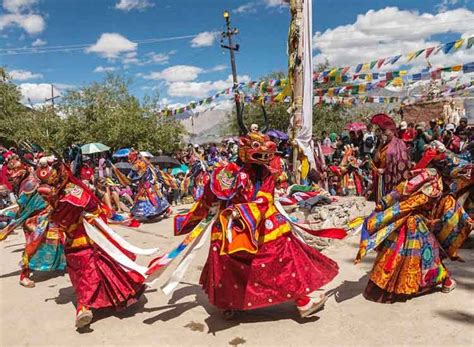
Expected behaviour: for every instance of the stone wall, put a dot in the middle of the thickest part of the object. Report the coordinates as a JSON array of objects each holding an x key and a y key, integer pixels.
[{"x": 335, "y": 215}]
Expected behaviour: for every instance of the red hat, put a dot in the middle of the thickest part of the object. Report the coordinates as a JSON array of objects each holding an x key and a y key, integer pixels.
[
  {"x": 8, "y": 155},
  {"x": 29, "y": 156},
  {"x": 384, "y": 122}
]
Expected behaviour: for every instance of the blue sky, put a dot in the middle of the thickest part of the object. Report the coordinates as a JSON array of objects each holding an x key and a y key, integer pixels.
[{"x": 98, "y": 35}]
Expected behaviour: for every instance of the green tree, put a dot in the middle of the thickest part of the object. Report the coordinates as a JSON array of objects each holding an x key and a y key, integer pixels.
[
  {"x": 11, "y": 109},
  {"x": 106, "y": 112}
]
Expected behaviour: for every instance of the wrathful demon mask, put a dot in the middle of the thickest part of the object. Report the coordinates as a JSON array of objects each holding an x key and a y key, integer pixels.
[
  {"x": 254, "y": 146},
  {"x": 16, "y": 169},
  {"x": 53, "y": 177}
]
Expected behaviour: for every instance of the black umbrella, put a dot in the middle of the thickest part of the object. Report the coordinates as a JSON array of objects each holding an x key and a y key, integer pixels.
[
  {"x": 124, "y": 166},
  {"x": 165, "y": 161}
]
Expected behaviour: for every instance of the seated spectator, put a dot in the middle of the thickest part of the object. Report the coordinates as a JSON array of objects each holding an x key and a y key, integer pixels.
[
  {"x": 450, "y": 140},
  {"x": 462, "y": 127}
]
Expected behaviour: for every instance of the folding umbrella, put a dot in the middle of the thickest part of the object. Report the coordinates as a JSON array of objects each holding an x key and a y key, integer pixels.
[
  {"x": 278, "y": 134},
  {"x": 165, "y": 161},
  {"x": 146, "y": 154},
  {"x": 356, "y": 126},
  {"x": 121, "y": 153},
  {"x": 92, "y": 148}
]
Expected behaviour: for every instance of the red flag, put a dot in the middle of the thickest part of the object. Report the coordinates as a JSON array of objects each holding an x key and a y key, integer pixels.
[
  {"x": 429, "y": 51},
  {"x": 380, "y": 62}
]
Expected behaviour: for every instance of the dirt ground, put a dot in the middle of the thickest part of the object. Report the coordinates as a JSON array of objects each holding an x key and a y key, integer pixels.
[{"x": 45, "y": 315}]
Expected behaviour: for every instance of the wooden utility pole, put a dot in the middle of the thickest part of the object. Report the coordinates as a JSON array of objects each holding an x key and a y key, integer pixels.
[
  {"x": 228, "y": 34},
  {"x": 295, "y": 75},
  {"x": 52, "y": 98}
]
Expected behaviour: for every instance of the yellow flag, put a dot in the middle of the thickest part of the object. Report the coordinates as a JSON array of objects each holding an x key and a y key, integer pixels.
[
  {"x": 366, "y": 67},
  {"x": 361, "y": 88},
  {"x": 456, "y": 68},
  {"x": 458, "y": 43},
  {"x": 284, "y": 93},
  {"x": 403, "y": 73},
  {"x": 410, "y": 56},
  {"x": 368, "y": 77},
  {"x": 304, "y": 168},
  {"x": 397, "y": 82},
  {"x": 332, "y": 72},
  {"x": 331, "y": 92}
]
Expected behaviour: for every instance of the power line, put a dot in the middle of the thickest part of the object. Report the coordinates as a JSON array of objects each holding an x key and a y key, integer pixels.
[
  {"x": 68, "y": 48},
  {"x": 78, "y": 47}
]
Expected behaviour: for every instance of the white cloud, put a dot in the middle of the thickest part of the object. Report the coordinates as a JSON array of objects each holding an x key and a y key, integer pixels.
[
  {"x": 17, "y": 6},
  {"x": 220, "y": 67},
  {"x": 36, "y": 92},
  {"x": 276, "y": 3},
  {"x": 20, "y": 13},
  {"x": 444, "y": 5},
  {"x": 159, "y": 58},
  {"x": 128, "y": 5},
  {"x": 201, "y": 89},
  {"x": 100, "y": 69},
  {"x": 38, "y": 43},
  {"x": 31, "y": 23},
  {"x": 111, "y": 45},
  {"x": 390, "y": 31},
  {"x": 177, "y": 73},
  {"x": 245, "y": 8},
  {"x": 204, "y": 39},
  {"x": 23, "y": 75},
  {"x": 130, "y": 58}
]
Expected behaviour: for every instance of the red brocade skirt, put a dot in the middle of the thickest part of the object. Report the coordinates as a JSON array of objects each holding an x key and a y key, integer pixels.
[
  {"x": 283, "y": 269},
  {"x": 99, "y": 282}
]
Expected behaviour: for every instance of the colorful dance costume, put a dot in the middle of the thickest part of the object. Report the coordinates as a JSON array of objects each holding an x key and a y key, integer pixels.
[
  {"x": 414, "y": 228},
  {"x": 255, "y": 260},
  {"x": 44, "y": 249},
  {"x": 99, "y": 281},
  {"x": 349, "y": 174},
  {"x": 149, "y": 201}
]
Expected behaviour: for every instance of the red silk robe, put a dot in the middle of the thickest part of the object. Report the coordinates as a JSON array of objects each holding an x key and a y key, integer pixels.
[{"x": 257, "y": 261}]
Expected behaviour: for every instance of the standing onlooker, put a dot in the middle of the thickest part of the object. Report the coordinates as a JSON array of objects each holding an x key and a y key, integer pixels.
[
  {"x": 420, "y": 141},
  {"x": 369, "y": 141},
  {"x": 326, "y": 141},
  {"x": 101, "y": 166}
]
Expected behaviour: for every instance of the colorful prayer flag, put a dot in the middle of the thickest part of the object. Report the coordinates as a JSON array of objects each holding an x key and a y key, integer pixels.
[
  {"x": 470, "y": 42},
  {"x": 395, "y": 59},
  {"x": 419, "y": 52},
  {"x": 448, "y": 46},
  {"x": 458, "y": 44},
  {"x": 429, "y": 51}
]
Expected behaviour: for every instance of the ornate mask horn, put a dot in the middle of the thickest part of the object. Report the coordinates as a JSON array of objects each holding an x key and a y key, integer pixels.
[{"x": 240, "y": 119}]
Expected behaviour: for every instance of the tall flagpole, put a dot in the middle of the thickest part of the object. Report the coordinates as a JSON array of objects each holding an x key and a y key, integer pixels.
[{"x": 295, "y": 77}]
